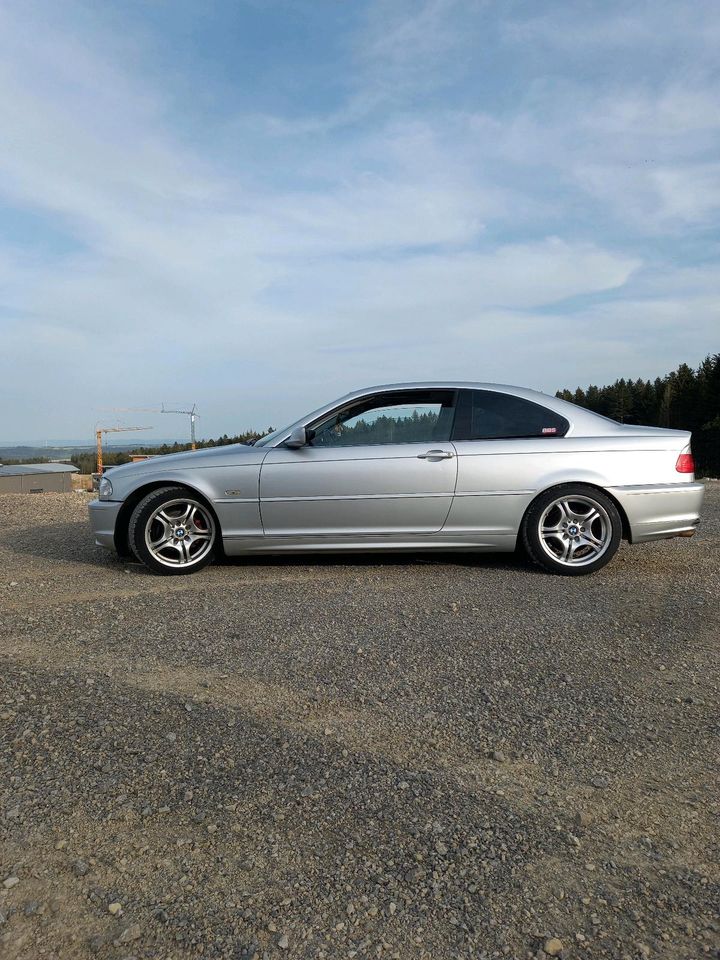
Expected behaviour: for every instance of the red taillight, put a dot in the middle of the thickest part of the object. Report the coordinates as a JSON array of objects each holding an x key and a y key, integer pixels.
[{"x": 685, "y": 463}]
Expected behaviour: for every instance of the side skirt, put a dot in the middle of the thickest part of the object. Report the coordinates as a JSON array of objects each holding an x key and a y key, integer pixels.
[{"x": 238, "y": 546}]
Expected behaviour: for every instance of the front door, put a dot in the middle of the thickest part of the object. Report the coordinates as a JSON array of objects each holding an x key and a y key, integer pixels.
[{"x": 382, "y": 465}]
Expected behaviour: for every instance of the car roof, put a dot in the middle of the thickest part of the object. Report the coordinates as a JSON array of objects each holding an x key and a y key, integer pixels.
[
  {"x": 452, "y": 385},
  {"x": 583, "y": 422}
]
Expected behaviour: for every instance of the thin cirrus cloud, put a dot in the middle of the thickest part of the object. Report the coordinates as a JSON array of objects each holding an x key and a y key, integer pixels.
[{"x": 427, "y": 190}]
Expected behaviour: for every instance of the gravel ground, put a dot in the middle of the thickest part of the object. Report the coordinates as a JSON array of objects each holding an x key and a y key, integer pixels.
[{"x": 421, "y": 757}]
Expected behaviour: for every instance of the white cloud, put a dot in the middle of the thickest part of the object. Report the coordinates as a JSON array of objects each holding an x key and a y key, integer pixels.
[
  {"x": 419, "y": 289},
  {"x": 674, "y": 112},
  {"x": 405, "y": 235},
  {"x": 408, "y": 43},
  {"x": 691, "y": 194},
  {"x": 666, "y": 28}
]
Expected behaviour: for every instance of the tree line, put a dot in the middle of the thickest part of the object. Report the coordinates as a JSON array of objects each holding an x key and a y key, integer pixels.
[
  {"x": 86, "y": 460},
  {"x": 384, "y": 429},
  {"x": 685, "y": 399}
]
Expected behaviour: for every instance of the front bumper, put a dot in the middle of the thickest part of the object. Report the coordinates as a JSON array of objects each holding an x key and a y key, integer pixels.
[
  {"x": 103, "y": 515},
  {"x": 662, "y": 510}
]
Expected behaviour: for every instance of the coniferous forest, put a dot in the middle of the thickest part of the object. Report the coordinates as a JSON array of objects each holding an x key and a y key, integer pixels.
[{"x": 685, "y": 399}]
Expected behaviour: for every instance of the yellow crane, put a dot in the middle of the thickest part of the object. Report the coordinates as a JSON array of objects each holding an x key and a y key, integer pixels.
[{"x": 98, "y": 436}]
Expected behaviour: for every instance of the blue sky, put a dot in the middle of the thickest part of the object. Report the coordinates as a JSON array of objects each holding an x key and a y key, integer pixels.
[{"x": 257, "y": 205}]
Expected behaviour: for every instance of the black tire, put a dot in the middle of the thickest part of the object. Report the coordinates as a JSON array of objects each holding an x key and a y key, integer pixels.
[
  {"x": 589, "y": 530},
  {"x": 187, "y": 514}
]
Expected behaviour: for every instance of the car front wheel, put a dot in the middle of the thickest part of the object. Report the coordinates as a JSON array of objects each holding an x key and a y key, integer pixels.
[
  {"x": 173, "y": 532},
  {"x": 572, "y": 530}
]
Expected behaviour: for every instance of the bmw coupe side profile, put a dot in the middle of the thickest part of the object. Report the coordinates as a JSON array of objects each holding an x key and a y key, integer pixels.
[{"x": 412, "y": 466}]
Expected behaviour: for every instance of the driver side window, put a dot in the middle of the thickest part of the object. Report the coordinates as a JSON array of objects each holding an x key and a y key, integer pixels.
[{"x": 418, "y": 417}]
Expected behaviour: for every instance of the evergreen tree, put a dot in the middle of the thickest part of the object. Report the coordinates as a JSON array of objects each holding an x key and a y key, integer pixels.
[{"x": 684, "y": 399}]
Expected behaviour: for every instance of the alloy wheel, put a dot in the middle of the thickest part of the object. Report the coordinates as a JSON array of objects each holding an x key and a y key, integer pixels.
[
  {"x": 180, "y": 533},
  {"x": 575, "y": 530}
]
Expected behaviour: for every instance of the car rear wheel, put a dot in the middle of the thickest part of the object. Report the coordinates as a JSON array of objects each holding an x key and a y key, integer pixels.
[
  {"x": 572, "y": 530},
  {"x": 173, "y": 532}
]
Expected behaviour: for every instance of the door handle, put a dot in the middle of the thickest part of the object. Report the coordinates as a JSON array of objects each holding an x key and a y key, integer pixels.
[{"x": 435, "y": 455}]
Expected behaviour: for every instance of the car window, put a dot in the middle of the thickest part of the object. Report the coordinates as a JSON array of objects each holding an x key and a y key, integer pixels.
[
  {"x": 422, "y": 417},
  {"x": 489, "y": 415}
]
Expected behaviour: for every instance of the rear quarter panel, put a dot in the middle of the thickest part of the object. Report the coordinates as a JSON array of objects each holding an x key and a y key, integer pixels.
[{"x": 498, "y": 479}]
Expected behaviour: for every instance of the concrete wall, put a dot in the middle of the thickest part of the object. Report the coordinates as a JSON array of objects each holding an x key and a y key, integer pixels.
[{"x": 36, "y": 483}]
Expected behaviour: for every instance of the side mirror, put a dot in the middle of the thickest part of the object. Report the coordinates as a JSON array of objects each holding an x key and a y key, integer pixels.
[{"x": 298, "y": 438}]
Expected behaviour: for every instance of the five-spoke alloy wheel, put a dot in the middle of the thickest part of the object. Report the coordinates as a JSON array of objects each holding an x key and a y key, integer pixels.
[
  {"x": 572, "y": 529},
  {"x": 171, "y": 531}
]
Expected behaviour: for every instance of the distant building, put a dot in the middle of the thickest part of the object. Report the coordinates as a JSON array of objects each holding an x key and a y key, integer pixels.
[{"x": 37, "y": 478}]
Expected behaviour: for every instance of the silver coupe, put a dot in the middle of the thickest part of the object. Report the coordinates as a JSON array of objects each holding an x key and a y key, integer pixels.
[{"x": 411, "y": 466}]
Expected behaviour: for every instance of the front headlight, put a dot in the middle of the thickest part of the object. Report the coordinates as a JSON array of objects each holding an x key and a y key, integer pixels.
[{"x": 104, "y": 488}]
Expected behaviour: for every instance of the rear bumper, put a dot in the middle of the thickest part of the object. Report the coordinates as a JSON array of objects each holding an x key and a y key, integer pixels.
[
  {"x": 660, "y": 511},
  {"x": 103, "y": 514}
]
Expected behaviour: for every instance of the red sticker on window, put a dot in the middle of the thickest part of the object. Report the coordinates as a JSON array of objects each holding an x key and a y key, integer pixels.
[{"x": 549, "y": 429}]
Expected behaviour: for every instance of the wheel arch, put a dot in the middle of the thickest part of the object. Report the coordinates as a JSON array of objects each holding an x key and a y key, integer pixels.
[
  {"x": 122, "y": 523},
  {"x": 626, "y": 529}
]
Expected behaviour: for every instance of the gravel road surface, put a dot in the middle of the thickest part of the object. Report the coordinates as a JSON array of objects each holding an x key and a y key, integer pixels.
[{"x": 441, "y": 757}]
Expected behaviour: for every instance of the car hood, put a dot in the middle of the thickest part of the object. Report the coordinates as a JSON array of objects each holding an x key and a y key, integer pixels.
[{"x": 188, "y": 460}]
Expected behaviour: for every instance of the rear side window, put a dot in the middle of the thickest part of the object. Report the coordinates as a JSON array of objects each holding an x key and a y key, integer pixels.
[{"x": 487, "y": 415}]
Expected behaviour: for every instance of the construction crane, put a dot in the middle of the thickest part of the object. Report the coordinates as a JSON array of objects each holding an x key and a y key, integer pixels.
[
  {"x": 129, "y": 410},
  {"x": 98, "y": 436},
  {"x": 193, "y": 417}
]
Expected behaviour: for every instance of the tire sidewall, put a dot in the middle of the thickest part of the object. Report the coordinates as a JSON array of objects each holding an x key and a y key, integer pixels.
[
  {"x": 531, "y": 531},
  {"x": 138, "y": 522}
]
